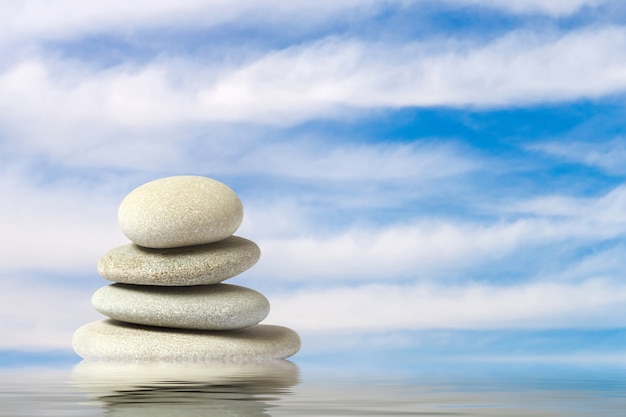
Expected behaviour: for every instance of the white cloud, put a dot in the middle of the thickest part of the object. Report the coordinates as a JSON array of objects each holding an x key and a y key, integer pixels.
[
  {"x": 327, "y": 78},
  {"x": 600, "y": 263},
  {"x": 347, "y": 163},
  {"x": 609, "y": 208},
  {"x": 126, "y": 96},
  {"x": 67, "y": 18},
  {"x": 63, "y": 228},
  {"x": 593, "y": 303},
  {"x": 29, "y": 19},
  {"x": 431, "y": 248},
  {"x": 42, "y": 314},
  {"x": 553, "y": 8},
  {"x": 140, "y": 119},
  {"x": 608, "y": 156}
]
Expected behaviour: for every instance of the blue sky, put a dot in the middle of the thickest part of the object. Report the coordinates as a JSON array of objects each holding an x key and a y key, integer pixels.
[{"x": 420, "y": 176}]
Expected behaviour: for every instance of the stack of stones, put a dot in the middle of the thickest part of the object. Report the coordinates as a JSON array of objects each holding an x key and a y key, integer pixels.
[{"x": 168, "y": 302}]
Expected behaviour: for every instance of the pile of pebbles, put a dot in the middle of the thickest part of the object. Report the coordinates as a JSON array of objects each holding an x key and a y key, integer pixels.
[{"x": 168, "y": 302}]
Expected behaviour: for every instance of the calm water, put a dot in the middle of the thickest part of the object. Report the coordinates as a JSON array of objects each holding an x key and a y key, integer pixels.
[{"x": 286, "y": 389}]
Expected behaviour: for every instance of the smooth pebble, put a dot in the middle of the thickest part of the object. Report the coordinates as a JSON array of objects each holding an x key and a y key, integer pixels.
[
  {"x": 114, "y": 340},
  {"x": 204, "y": 307},
  {"x": 191, "y": 265},
  {"x": 180, "y": 211}
]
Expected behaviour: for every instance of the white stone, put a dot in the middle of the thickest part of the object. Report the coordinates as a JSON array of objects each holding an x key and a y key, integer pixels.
[
  {"x": 118, "y": 341},
  {"x": 190, "y": 265},
  {"x": 180, "y": 211},
  {"x": 204, "y": 307}
]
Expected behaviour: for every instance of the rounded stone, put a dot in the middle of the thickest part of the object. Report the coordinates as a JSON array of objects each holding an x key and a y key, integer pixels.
[
  {"x": 114, "y": 340},
  {"x": 204, "y": 307},
  {"x": 190, "y": 265},
  {"x": 180, "y": 211}
]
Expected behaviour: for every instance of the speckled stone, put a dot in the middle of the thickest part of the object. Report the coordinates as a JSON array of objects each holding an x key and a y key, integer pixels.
[
  {"x": 191, "y": 265},
  {"x": 114, "y": 340},
  {"x": 180, "y": 211},
  {"x": 204, "y": 307}
]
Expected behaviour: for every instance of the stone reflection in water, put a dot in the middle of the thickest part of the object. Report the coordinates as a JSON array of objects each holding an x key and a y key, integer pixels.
[{"x": 186, "y": 389}]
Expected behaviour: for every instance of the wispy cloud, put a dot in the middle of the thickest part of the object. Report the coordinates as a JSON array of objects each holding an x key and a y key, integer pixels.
[
  {"x": 595, "y": 303},
  {"x": 431, "y": 247},
  {"x": 71, "y": 18},
  {"x": 55, "y": 229},
  {"x": 608, "y": 208},
  {"x": 553, "y": 8},
  {"x": 42, "y": 313},
  {"x": 327, "y": 78},
  {"x": 31, "y": 19},
  {"x": 332, "y": 74},
  {"x": 319, "y": 160},
  {"x": 608, "y": 156}
]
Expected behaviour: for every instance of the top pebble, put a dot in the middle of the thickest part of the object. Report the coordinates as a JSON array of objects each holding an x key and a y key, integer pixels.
[{"x": 180, "y": 211}]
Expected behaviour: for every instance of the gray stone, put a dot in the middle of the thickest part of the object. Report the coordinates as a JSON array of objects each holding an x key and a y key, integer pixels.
[
  {"x": 191, "y": 265},
  {"x": 204, "y": 307},
  {"x": 118, "y": 341},
  {"x": 180, "y": 211}
]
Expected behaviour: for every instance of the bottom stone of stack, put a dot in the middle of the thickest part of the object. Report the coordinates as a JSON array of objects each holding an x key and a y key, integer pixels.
[{"x": 119, "y": 341}]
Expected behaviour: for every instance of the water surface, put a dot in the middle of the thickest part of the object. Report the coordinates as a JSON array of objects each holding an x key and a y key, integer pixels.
[{"x": 287, "y": 389}]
